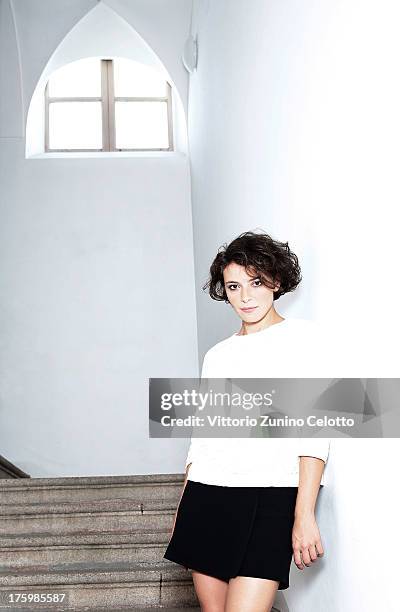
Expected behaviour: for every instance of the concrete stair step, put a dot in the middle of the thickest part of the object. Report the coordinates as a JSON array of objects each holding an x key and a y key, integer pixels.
[
  {"x": 37, "y": 549},
  {"x": 109, "y": 538},
  {"x": 124, "y": 609},
  {"x": 38, "y": 508},
  {"x": 90, "y": 506},
  {"x": 72, "y": 573},
  {"x": 104, "y": 584},
  {"x": 160, "y": 516},
  {"x": 81, "y": 488}
]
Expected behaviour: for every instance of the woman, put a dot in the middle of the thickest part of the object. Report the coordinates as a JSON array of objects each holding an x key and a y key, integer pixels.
[{"x": 247, "y": 505}]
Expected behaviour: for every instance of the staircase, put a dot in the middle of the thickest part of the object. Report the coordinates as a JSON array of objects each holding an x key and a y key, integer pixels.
[{"x": 99, "y": 540}]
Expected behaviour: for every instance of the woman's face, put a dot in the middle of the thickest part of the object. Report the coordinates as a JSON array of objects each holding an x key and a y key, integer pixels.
[{"x": 248, "y": 296}]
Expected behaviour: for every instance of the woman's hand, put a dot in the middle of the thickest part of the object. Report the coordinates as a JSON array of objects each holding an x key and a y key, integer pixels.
[{"x": 306, "y": 540}]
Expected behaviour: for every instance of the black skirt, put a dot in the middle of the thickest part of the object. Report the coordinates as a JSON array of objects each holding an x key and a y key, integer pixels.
[{"x": 226, "y": 531}]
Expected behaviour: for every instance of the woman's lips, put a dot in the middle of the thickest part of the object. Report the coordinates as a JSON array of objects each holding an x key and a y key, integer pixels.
[{"x": 248, "y": 309}]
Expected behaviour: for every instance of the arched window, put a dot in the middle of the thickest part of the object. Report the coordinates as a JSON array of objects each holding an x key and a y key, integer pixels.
[{"x": 115, "y": 104}]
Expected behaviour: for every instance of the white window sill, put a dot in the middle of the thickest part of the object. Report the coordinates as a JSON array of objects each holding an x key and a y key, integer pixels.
[{"x": 106, "y": 154}]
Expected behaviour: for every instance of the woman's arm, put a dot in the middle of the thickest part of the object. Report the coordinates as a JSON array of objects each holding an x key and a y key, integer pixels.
[{"x": 306, "y": 539}]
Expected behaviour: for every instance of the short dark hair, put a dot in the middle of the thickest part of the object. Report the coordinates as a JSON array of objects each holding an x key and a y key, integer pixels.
[{"x": 259, "y": 254}]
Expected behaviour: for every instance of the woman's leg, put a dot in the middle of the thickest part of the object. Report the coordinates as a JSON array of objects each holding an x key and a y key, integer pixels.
[
  {"x": 246, "y": 594},
  {"x": 211, "y": 592}
]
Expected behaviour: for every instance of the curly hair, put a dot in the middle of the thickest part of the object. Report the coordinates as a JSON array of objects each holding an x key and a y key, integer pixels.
[{"x": 259, "y": 254}]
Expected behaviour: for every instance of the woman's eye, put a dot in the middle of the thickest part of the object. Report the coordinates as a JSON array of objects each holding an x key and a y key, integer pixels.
[{"x": 233, "y": 287}]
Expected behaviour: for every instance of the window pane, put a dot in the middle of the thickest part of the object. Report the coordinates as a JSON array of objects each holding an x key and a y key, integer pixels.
[
  {"x": 141, "y": 125},
  {"x": 75, "y": 125},
  {"x": 132, "y": 79},
  {"x": 81, "y": 78}
]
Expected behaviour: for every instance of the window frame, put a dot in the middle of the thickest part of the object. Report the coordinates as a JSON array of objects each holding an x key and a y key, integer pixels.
[{"x": 108, "y": 100}]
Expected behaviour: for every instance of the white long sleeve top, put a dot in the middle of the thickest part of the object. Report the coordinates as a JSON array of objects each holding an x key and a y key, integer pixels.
[{"x": 283, "y": 350}]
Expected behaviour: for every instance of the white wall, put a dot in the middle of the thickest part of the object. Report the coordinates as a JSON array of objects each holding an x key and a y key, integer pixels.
[
  {"x": 294, "y": 128},
  {"x": 93, "y": 293}
]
